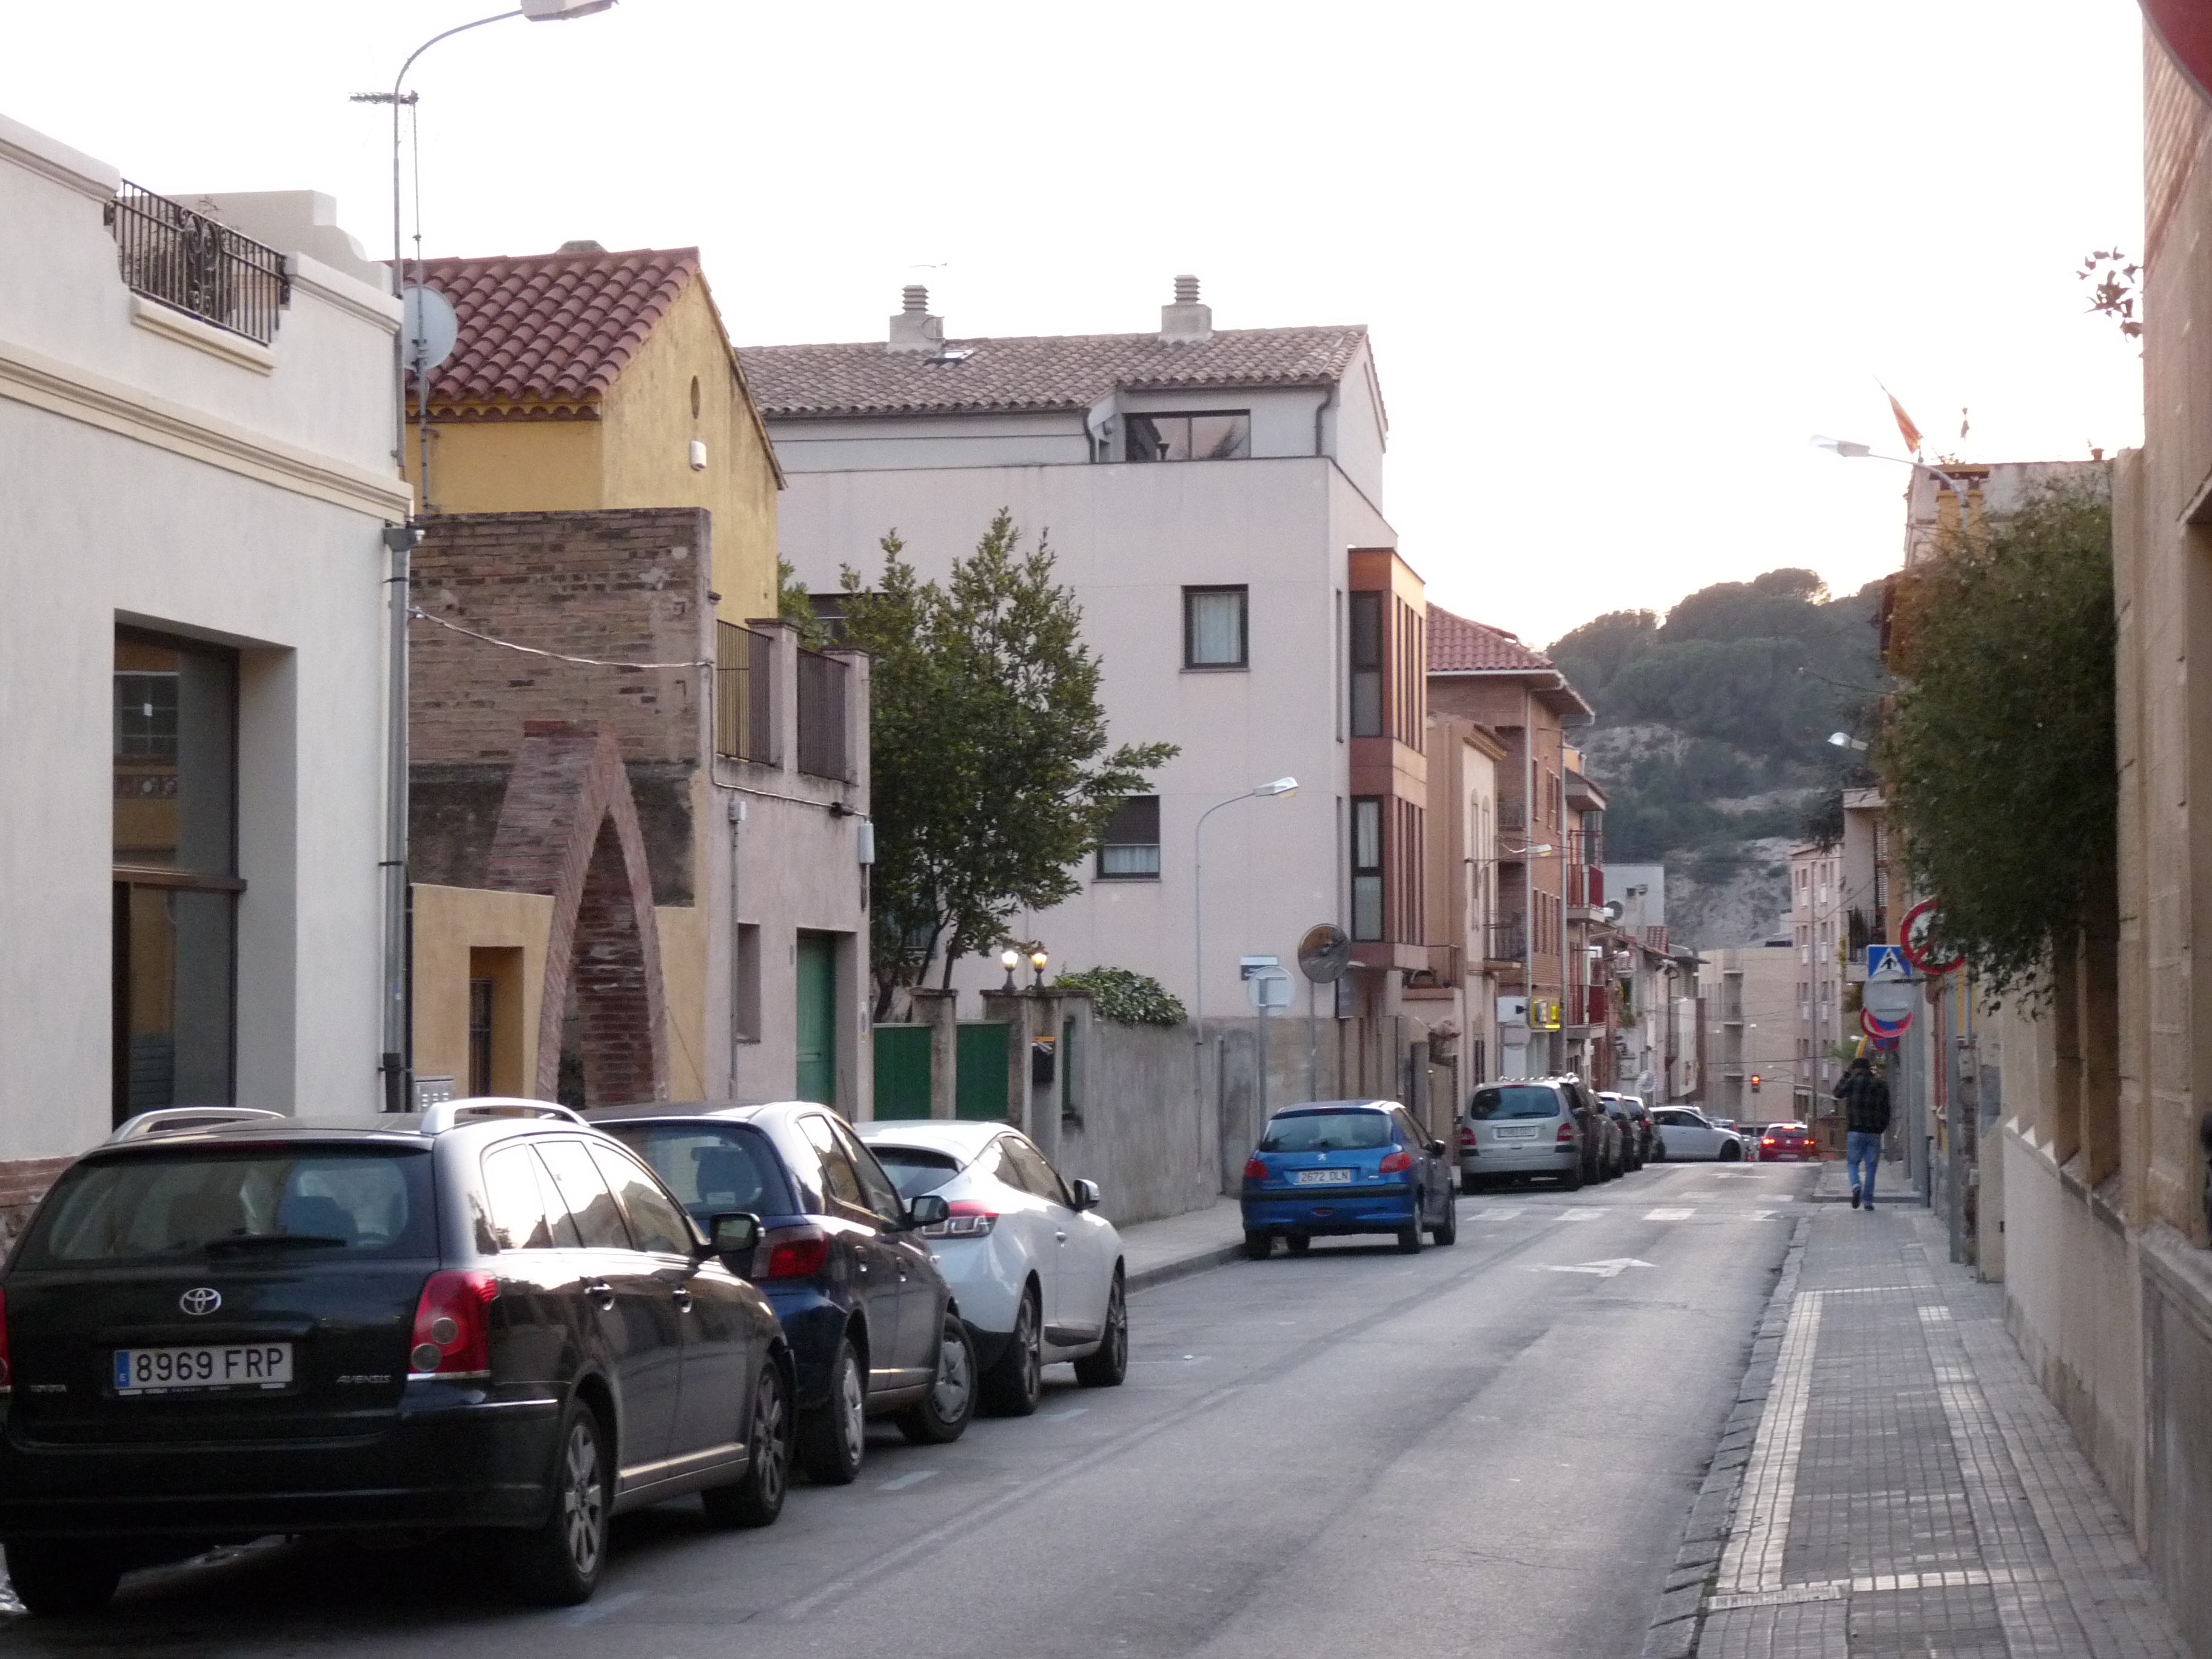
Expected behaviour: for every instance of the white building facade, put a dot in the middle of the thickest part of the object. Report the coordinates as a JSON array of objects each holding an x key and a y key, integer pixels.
[
  {"x": 1203, "y": 492},
  {"x": 196, "y": 471}
]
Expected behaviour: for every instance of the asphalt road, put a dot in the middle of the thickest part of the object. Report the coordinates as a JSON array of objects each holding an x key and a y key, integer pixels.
[{"x": 1487, "y": 1449}]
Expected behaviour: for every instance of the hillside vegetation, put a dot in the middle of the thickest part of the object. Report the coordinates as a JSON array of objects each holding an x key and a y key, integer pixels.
[{"x": 1711, "y": 735}]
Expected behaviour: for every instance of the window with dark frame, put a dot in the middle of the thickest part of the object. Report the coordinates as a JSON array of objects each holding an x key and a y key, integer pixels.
[
  {"x": 1129, "y": 850},
  {"x": 1366, "y": 665},
  {"x": 480, "y": 1005},
  {"x": 1215, "y": 631},
  {"x": 1221, "y": 435},
  {"x": 1367, "y": 868}
]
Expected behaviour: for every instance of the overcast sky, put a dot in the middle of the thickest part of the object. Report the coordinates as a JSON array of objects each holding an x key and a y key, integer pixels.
[{"x": 1619, "y": 258}]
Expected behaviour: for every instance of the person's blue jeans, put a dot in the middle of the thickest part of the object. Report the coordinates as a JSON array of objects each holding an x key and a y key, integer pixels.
[{"x": 1862, "y": 1157}]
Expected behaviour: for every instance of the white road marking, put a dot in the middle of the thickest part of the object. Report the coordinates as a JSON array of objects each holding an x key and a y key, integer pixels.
[
  {"x": 1583, "y": 1213},
  {"x": 1062, "y": 1417},
  {"x": 1752, "y": 1560},
  {"x": 1668, "y": 1215},
  {"x": 1612, "y": 1267},
  {"x": 913, "y": 1478}
]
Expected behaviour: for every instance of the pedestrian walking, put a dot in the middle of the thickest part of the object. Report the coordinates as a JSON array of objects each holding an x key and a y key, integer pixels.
[{"x": 1865, "y": 1098}]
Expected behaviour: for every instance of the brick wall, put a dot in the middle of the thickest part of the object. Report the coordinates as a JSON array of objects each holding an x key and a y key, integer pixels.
[
  {"x": 22, "y": 1184},
  {"x": 629, "y": 586}
]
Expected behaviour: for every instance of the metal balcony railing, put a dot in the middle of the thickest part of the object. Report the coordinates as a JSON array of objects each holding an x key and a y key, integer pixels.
[
  {"x": 1505, "y": 941},
  {"x": 822, "y": 748},
  {"x": 745, "y": 693},
  {"x": 186, "y": 259}
]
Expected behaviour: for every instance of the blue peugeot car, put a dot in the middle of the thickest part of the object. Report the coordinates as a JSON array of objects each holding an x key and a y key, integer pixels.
[{"x": 1347, "y": 1166}]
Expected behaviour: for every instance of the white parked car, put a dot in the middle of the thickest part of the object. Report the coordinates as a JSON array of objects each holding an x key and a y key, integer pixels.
[
  {"x": 1690, "y": 1134},
  {"x": 1035, "y": 1269}
]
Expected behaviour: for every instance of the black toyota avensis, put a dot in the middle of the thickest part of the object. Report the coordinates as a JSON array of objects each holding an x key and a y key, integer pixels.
[{"x": 226, "y": 1323}]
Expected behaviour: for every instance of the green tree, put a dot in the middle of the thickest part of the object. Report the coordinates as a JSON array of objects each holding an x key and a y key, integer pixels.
[
  {"x": 990, "y": 775},
  {"x": 1999, "y": 756}
]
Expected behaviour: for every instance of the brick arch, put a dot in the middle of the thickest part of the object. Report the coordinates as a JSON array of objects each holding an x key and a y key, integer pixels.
[{"x": 568, "y": 828}]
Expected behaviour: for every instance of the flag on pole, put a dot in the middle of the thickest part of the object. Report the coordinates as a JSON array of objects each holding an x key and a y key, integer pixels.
[{"x": 1910, "y": 432}]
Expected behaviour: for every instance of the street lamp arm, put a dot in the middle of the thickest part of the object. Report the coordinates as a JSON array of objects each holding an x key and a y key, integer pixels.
[{"x": 399, "y": 80}]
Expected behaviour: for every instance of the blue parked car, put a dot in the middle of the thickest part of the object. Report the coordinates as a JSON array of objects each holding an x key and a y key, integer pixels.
[
  {"x": 1347, "y": 1166},
  {"x": 873, "y": 1328}
]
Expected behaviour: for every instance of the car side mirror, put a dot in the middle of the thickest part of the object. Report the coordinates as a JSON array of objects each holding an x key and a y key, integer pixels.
[
  {"x": 1436, "y": 1149},
  {"x": 1087, "y": 1194},
  {"x": 927, "y": 1209},
  {"x": 732, "y": 1235}
]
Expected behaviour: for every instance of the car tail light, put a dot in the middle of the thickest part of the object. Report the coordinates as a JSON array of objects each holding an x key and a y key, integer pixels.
[
  {"x": 798, "y": 1253},
  {"x": 453, "y": 1326},
  {"x": 969, "y": 1219},
  {"x": 1566, "y": 1134},
  {"x": 1466, "y": 1136},
  {"x": 1255, "y": 1169},
  {"x": 1770, "y": 1141},
  {"x": 1398, "y": 1162}
]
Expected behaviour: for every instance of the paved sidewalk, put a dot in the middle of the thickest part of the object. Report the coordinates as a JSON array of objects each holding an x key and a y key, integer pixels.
[
  {"x": 1154, "y": 1252},
  {"x": 1893, "y": 1482}
]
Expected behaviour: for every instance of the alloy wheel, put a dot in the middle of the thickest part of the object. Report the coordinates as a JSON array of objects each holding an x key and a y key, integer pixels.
[
  {"x": 771, "y": 1437},
  {"x": 852, "y": 1407},
  {"x": 583, "y": 1499},
  {"x": 954, "y": 1385}
]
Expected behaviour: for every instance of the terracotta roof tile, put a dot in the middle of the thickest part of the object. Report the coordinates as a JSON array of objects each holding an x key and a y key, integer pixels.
[
  {"x": 1036, "y": 372},
  {"x": 550, "y": 331},
  {"x": 1457, "y": 646}
]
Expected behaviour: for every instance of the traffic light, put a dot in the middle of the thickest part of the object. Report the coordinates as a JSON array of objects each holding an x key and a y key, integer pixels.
[{"x": 1755, "y": 1083}]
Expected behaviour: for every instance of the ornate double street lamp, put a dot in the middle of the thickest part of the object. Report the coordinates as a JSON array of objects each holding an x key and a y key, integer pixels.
[{"x": 410, "y": 344}]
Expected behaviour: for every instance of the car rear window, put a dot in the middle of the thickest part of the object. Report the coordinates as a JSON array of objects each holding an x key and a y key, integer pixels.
[
  {"x": 1513, "y": 1103},
  {"x": 1326, "y": 1132},
  {"x": 711, "y": 1168},
  {"x": 185, "y": 1204},
  {"x": 914, "y": 1170}
]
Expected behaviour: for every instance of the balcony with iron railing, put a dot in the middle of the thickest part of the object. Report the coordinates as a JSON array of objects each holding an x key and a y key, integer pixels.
[
  {"x": 1504, "y": 941},
  {"x": 745, "y": 693},
  {"x": 822, "y": 687},
  {"x": 197, "y": 265}
]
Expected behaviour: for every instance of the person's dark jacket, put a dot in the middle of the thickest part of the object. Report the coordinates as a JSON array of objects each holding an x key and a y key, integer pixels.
[{"x": 1866, "y": 1102}]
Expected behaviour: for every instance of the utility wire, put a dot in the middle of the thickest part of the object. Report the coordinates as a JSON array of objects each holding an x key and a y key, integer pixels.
[{"x": 532, "y": 651}]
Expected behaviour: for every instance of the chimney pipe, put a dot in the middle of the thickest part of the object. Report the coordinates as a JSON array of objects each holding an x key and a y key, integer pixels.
[
  {"x": 1186, "y": 322},
  {"x": 914, "y": 329}
]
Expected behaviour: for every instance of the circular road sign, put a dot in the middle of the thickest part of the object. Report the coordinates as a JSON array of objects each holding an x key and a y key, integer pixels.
[
  {"x": 1324, "y": 953},
  {"x": 1914, "y": 935},
  {"x": 1889, "y": 998}
]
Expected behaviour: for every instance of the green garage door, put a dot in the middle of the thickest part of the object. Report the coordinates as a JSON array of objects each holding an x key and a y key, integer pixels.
[
  {"x": 901, "y": 1071},
  {"x": 818, "y": 1019},
  {"x": 980, "y": 1050}
]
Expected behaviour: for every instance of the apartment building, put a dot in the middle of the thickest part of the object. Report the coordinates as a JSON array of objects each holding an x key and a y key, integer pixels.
[
  {"x": 1545, "y": 829},
  {"x": 195, "y": 475},
  {"x": 1214, "y": 496}
]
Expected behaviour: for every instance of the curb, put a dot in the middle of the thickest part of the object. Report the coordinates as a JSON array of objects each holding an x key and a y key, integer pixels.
[
  {"x": 1678, "y": 1622},
  {"x": 1182, "y": 1267}
]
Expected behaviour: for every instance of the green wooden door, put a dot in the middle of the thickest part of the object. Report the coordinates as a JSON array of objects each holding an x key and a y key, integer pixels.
[
  {"x": 901, "y": 1071},
  {"x": 818, "y": 1019},
  {"x": 980, "y": 1092}
]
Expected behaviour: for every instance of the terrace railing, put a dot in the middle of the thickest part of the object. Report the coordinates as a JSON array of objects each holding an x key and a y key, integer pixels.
[{"x": 198, "y": 264}]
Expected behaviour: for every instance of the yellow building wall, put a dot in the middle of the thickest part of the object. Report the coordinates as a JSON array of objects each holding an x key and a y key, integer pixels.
[
  {"x": 449, "y": 923},
  {"x": 650, "y": 426},
  {"x": 513, "y": 466}
]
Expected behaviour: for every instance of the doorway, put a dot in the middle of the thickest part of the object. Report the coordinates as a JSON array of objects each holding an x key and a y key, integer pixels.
[{"x": 816, "y": 957}]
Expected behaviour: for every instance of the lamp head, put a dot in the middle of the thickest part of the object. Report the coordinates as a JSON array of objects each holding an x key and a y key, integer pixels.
[
  {"x": 1038, "y": 959},
  {"x": 560, "y": 11},
  {"x": 1843, "y": 447},
  {"x": 1010, "y": 959},
  {"x": 1280, "y": 787}
]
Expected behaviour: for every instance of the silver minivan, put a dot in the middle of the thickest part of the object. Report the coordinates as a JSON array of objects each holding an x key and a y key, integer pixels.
[{"x": 1521, "y": 1127}]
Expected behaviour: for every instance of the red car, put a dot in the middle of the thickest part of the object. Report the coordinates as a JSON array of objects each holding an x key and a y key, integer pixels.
[{"x": 1787, "y": 1140}]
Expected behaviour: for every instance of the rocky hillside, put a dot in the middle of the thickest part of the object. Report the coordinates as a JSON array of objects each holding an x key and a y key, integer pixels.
[{"x": 1711, "y": 736}]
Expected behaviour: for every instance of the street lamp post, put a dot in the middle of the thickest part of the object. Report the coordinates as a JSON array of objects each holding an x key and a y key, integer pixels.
[
  {"x": 400, "y": 541},
  {"x": 1280, "y": 787}
]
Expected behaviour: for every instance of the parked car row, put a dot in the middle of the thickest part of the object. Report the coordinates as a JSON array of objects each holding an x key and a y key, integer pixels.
[
  {"x": 495, "y": 1315},
  {"x": 1560, "y": 1127}
]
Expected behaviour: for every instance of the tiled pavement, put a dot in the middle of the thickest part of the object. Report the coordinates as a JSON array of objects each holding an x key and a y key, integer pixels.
[{"x": 1893, "y": 1482}]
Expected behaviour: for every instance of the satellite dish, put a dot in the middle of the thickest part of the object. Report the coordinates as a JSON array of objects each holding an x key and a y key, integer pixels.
[
  {"x": 428, "y": 329},
  {"x": 1324, "y": 953}
]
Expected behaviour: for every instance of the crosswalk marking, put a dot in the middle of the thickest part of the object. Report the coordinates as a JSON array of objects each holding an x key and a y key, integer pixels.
[
  {"x": 1668, "y": 1215},
  {"x": 1584, "y": 1213}
]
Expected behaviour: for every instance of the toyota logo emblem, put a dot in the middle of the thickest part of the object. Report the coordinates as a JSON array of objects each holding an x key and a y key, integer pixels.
[{"x": 203, "y": 1299}]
